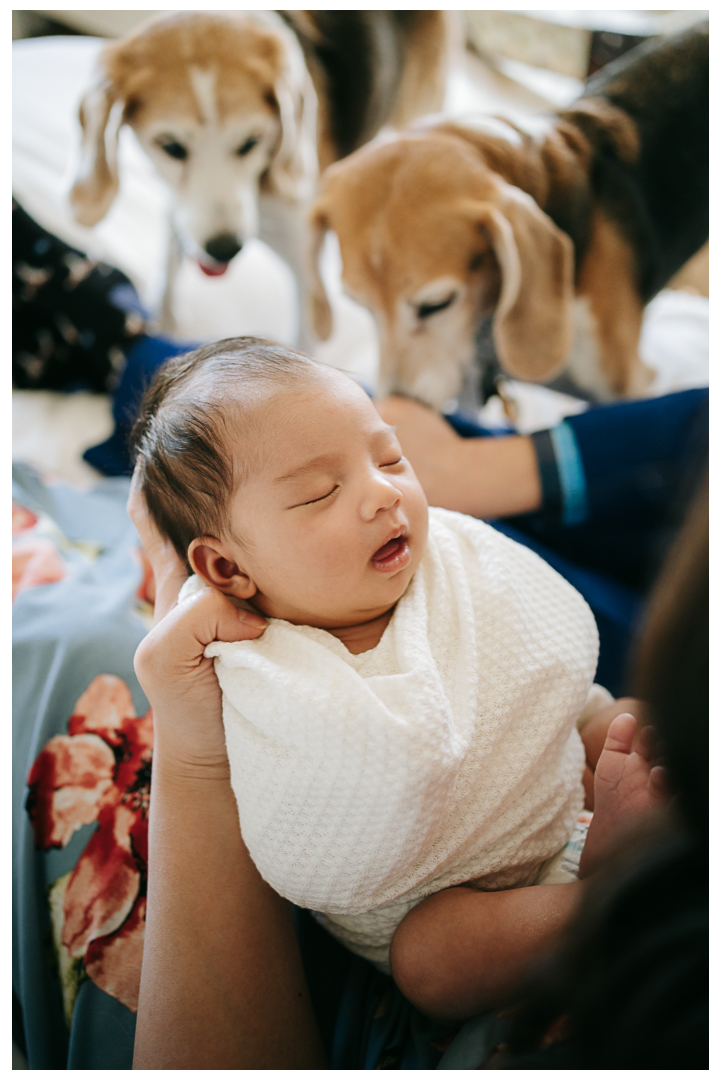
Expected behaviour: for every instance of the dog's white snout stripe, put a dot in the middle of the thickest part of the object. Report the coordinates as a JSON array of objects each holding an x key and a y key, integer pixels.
[{"x": 202, "y": 81}]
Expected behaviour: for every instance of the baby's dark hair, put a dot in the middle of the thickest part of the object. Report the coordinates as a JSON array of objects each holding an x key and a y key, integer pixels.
[{"x": 179, "y": 440}]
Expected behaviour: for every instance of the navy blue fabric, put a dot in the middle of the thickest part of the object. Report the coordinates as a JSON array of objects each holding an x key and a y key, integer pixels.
[
  {"x": 74, "y": 319},
  {"x": 643, "y": 462},
  {"x": 634, "y": 453},
  {"x": 364, "y": 1020},
  {"x": 112, "y": 457},
  {"x": 617, "y": 609}
]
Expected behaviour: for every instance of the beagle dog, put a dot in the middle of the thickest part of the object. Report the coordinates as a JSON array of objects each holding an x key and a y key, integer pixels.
[
  {"x": 238, "y": 111},
  {"x": 552, "y": 235}
]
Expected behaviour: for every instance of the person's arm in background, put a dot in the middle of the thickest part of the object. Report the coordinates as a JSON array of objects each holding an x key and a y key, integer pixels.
[
  {"x": 461, "y": 951},
  {"x": 222, "y": 982},
  {"x": 488, "y": 478},
  {"x": 634, "y": 464}
]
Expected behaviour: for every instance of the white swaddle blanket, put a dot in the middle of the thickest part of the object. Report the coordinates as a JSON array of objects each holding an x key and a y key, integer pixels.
[{"x": 447, "y": 753}]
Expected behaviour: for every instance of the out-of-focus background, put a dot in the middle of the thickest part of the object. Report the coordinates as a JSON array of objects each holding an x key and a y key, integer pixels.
[
  {"x": 521, "y": 62},
  {"x": 511, "y": 62}
]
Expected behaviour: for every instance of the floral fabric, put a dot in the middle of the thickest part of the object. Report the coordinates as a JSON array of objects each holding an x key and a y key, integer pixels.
[{"x": 82, "y": 751}]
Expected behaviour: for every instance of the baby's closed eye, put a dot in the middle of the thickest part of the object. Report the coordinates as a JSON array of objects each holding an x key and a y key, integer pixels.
[{"x": 322, "y": 498}]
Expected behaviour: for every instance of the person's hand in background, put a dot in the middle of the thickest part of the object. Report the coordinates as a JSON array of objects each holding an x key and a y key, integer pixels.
[{"x": 485, "y": 477}]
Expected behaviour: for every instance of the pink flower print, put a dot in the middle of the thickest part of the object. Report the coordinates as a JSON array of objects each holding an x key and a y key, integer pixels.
[
  {"x": 35, "y": 561},
  {"x": 100, "y": 771},
  {"x": 114, "y": 962},
  {"x": 22, "y": 518},
  {"x": 68, "y": 782}
]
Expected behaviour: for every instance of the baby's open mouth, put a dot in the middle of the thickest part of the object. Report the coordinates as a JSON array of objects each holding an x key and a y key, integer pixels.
[{"x": 393, "y": 553}]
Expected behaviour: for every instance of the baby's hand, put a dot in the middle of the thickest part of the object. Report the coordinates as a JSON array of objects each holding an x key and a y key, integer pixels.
[{"x": 180, "y": 681}]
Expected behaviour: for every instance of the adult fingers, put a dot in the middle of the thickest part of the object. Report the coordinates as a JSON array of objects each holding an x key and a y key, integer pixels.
[
  {"x": 214, "y": 617},
  {"x": 177, "y": 643}
]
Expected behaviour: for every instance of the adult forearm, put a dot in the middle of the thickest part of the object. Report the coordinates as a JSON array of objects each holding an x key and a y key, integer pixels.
[
  {"x": 222, "y": 981},
  {"x": 497, "y": 477},
  {"x": 485, "y": 477},
  {"x": 462, "y": 951}
]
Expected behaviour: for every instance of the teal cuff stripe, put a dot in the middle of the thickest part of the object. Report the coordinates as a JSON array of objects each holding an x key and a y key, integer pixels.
[{"x": 572, "y": 474}]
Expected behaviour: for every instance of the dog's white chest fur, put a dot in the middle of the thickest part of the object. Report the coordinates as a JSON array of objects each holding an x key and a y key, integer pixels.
[{"x": 583, "y": 366}]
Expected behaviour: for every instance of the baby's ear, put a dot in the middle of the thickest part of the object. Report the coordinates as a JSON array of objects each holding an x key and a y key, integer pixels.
[{"x": 209, "y": 559}]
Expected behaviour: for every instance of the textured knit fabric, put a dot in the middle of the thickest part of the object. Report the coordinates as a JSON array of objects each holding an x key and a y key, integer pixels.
[{"x": 446, "y": 754}]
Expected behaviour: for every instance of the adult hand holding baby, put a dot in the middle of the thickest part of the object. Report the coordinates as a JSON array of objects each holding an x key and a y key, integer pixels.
[
  {"x": 170, "y": 663},
  {"x": 200, "y": 940},
  {"x": 167, "y": 567},
  {"x": 180, "y": 681}
]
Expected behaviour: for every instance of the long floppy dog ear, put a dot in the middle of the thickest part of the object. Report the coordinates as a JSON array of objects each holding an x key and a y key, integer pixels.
[
  {"x": 293, "y": 170},
  {"x": 532, "y": 325},
  {"x": 96, "y": 184},
  {"x": 320, "y": 310}
]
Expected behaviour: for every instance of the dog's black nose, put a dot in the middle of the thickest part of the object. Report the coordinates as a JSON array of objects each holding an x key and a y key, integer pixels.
[{"x": 223, "y": 247}]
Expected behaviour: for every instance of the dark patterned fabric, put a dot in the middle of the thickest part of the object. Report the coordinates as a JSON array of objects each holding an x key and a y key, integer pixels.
[{"x": 74, "y": 318}]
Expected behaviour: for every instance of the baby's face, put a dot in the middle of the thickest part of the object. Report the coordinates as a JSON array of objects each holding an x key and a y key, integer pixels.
[{"x": 334, "y": 522}]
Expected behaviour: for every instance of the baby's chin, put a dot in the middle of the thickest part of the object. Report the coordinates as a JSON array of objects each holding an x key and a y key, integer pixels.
[{"x": 332, "y": 618}]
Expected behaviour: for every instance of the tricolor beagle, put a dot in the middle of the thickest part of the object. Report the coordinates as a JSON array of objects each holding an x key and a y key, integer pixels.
[
  {"x": 237, "y": 110},
  {"x": 556, "y": 233}
]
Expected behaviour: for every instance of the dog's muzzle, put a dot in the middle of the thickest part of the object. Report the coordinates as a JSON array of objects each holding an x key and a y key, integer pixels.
[{"x": 221, "y": 248}]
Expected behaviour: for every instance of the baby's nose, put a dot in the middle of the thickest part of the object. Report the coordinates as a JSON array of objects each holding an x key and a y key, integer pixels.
[{"x": 381, "y": 495}]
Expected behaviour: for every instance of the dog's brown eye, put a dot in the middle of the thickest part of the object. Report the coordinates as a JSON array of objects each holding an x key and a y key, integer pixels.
[
  {"x": 173, "y": 148},
  {"x": 426, "y": 310},
  {"x": 247, "y": 146},
  {"x": 477, "y": 261}
]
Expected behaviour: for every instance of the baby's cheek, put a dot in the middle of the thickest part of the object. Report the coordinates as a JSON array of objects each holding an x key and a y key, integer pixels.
[
  {"x": 329, "y": 562},
  {"x": 418, "y": 515}
]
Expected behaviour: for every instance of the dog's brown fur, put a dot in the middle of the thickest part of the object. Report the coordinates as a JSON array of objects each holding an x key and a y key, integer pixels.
[
  {"x": 196, "y": 87},
  {"x": 410, "y": 83},
  {"x": 147, "y": 74},
  {"x": 432, "y": 204},
  {"x": 498, "y": 223}
]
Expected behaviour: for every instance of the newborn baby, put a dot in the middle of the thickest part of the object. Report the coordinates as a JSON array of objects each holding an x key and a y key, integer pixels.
[{"x": 407, "y": 722}]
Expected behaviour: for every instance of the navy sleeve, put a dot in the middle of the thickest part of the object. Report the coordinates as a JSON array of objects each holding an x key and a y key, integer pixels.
[{"x": 633, "y": 462}]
